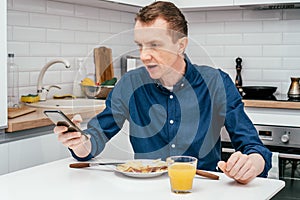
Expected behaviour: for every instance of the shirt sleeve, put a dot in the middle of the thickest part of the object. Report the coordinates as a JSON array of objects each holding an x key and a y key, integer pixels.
[
  {"x": 242, "y": 132},
  {"x": 106, "y": 124}
]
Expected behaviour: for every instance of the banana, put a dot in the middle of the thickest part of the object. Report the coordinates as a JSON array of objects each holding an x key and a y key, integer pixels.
[{"x": 88, "y": 82}]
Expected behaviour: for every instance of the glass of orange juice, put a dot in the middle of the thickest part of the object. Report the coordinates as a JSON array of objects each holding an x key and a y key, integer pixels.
[{"x": 181, "y": 170}]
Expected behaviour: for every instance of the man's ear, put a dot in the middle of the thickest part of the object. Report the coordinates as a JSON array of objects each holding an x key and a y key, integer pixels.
[{"x": 182, "y": 44}]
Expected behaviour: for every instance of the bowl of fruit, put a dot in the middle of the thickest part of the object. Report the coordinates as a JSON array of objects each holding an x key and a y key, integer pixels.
[{"x": 96, "y": 90}]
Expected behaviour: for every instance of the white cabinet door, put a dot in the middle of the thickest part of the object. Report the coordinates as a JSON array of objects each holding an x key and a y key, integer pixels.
[
  {"x": 202, "y": 3},
  {"x": 3, "y": 158},
  {"x": 254, "y": 2},
  {"x": 140, "y": 3},
  {"x": 34, "y": 151}
]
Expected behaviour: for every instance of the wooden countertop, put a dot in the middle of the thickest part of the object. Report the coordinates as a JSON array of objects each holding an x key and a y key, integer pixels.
[
  {"x": 272, "y": 104},
  {"x": 38, "y": 119}
]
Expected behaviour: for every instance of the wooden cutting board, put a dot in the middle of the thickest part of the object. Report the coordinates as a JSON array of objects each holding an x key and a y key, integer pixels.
[
  {"x": 16, "y": 112},
  {"x": 103, "y": 64}
]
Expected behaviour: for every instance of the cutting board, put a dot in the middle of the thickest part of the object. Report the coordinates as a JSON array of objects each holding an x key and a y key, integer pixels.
[
  {"x": 16, "y": 112},
  {"x": 103, "y": 64}
]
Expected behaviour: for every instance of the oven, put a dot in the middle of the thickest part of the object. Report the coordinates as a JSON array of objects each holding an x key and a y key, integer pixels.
[{"x": 284, "y": 142}]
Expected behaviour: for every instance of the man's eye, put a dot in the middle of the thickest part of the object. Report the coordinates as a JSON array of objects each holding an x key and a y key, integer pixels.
[
  {"x": 153, "y": 45},
  {"x": 140, "y": 46}
]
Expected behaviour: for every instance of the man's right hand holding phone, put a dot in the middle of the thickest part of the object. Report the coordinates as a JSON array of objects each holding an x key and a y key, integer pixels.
[{"x": 79, "y": 143}]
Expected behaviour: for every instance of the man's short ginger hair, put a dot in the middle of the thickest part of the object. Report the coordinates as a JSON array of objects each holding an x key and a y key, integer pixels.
[{"x": 167, "y": 11}]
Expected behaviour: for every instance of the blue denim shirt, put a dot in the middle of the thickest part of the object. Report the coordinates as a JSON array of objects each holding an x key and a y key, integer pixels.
[{"x": 184, "y": 121}]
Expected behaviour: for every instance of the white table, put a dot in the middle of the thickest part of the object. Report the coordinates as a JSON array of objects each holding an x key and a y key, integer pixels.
[{"x": 56, "y": 180}]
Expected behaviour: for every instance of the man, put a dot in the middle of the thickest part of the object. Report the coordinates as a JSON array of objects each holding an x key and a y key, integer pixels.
[{"x": 174, "y": 107}]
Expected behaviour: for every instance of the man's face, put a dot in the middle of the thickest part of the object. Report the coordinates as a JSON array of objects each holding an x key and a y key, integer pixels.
[{"x": 158, "y": 52}]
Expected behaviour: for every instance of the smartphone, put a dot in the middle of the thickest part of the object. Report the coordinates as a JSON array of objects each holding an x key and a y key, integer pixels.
[{"x": 60, "y": 119}]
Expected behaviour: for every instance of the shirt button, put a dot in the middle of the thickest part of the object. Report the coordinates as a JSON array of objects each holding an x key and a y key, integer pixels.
[
  {"x": 171, "y": 121},
  {"x": 182, "y": 84},
  {"x": 173, "y": 145},
  {"x": 171, "y": 97}
]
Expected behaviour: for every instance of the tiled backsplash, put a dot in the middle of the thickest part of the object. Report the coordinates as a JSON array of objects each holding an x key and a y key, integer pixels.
[
  {"x": 38, "y": 31},
  {"x": 267, "y": 41}
]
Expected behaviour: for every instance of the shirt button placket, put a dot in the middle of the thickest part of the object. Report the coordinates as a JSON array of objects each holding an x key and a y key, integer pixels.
[{"x": 171, "y": 122}]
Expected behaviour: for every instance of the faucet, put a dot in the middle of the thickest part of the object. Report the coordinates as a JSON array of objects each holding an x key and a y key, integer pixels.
[{"x": 42, "y": 91}]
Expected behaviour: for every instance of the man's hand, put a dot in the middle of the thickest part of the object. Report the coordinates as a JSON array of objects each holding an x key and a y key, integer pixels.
[
  {"x": 243, "y": 168},
  {"x": 79, "y": 143}
]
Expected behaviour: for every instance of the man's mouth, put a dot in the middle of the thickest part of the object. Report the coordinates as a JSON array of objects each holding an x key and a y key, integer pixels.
[{"x": 151, "y": 66}]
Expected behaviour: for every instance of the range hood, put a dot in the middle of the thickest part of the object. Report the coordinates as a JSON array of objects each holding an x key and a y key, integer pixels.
[{"x": 272, "y": 6}]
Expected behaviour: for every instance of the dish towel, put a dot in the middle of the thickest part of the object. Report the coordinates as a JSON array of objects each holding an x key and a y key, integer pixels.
[{"x": 274, "y": 171}]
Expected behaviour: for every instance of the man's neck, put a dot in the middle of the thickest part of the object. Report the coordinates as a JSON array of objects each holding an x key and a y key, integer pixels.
[{"x": 170, "y": 79}]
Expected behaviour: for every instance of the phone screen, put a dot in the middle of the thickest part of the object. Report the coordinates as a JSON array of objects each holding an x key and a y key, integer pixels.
[{"x": 60, "y": 119}]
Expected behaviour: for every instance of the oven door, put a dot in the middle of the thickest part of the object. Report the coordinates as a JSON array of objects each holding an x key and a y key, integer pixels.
[{"x": 288, "y": 163}]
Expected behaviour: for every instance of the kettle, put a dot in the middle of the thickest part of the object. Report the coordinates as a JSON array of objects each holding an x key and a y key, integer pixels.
[{"x": 294, "y": 90}]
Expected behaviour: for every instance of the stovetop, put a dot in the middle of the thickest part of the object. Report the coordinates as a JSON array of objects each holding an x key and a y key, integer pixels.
[{"x": 276, "y": 97}]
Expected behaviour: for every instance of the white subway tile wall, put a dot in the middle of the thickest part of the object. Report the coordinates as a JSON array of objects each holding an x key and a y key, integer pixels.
[
  {"x": 267, "y": 41},
  {"x": 41, "y": 30}
]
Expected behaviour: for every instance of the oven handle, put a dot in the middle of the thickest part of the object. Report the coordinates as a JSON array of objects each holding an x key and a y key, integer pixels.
[
  {"x": 289, "y": 156},
  {"x": 280, "y": 155}
]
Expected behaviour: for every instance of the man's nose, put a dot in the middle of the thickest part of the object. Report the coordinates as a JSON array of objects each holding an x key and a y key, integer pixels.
[{"x": 145, "y": 54}]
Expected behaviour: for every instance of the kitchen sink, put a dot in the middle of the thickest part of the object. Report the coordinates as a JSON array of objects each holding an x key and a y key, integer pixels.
[{"x": 68, "y": 103}]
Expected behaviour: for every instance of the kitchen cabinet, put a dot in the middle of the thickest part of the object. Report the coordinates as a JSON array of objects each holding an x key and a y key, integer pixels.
[
  {"x": 201, "y": 4},
  {"x": 258, "y": 2},
  {"x": 180, "y": 3},
  {"x": 139, "y": 3},
  {"x": 33, "y": 151},
  {"x": 190, "y": 5},
  {"x": 3, "y": 72},
  {"x": 4, "y": 159}
]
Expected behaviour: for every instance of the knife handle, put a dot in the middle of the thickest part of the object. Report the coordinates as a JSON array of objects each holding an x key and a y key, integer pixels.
[
  {"x": 207, "y": 174},
  {"x": 79, "y": 165}
]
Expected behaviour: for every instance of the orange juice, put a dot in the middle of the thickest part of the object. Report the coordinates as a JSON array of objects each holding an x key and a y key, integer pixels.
[{"x": 181, "y": 176}]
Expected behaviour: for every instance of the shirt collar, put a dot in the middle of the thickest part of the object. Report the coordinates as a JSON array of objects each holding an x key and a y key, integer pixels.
[{"x": 186, "y": 79}]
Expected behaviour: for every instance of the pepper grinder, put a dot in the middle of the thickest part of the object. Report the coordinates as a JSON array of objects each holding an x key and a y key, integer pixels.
[{"x": 238, "y": 78}]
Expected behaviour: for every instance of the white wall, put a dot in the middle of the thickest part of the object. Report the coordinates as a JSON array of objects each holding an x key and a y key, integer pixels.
[
  {"x": 39, "y": 30},
  {"x": 267, "y": 41}
]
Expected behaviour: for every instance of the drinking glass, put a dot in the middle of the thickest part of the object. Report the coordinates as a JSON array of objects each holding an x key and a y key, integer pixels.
[{"x": 181, "y": 170}]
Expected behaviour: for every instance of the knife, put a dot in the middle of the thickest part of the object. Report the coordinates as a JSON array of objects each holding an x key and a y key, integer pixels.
[
  {"x": 91, "y": 164},
  {"x": 207, "y": 174}
]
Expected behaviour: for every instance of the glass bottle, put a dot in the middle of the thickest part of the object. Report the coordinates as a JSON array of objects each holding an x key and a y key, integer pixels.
[
  {"x": 13, "y": 82},
  {"x": 80, "y": 75}
]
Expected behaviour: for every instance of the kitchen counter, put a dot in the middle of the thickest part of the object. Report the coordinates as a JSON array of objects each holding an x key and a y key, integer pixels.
[
  {"x": 55, "y": 180},
  {"x": 272, "y": 104},
  {"x": 38, "y": 119}
]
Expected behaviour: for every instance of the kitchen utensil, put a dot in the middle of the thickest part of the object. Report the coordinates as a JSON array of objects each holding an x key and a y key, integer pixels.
[
  {"x": 16, "y": 112},
  {"x": 97, "y": 91},
  {"x": 259, "y": 91},
  {"x": 294, "y": 89},
  {"x": 207, "y": 174},
  {"x": 103, "y": 64},
  {"x": 91, "y": 164},
  {"x": 238, "y": 78}
]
